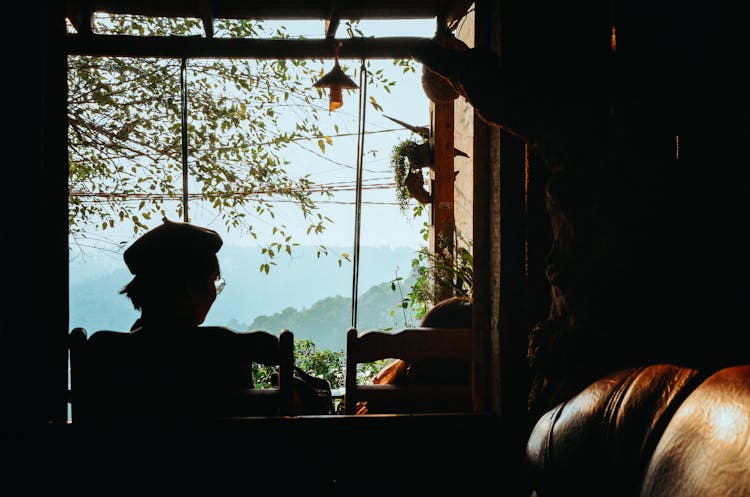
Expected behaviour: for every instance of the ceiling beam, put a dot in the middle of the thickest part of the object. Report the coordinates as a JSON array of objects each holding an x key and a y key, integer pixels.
[
  {"x": 276, "y": 9},
  {"x": 397, "y": 47}
]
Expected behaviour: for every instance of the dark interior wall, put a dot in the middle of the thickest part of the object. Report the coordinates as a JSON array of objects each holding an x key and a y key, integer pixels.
[
  {"x": 34, "y": 228},
  {"x": 678, "y": 75},
  {"x": 647, "y": 263}
]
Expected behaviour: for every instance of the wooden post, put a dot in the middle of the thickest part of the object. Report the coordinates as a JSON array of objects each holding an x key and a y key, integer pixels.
[{"x": 443, "y": 175}]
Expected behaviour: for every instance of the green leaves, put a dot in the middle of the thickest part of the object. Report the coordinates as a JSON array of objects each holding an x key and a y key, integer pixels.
[
  {"x": 125, "y": 135},
  {"x": 405, "y": 156}
]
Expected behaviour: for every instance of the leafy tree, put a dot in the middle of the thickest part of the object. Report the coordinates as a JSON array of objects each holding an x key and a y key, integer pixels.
[{"x": 125, "y": 146}]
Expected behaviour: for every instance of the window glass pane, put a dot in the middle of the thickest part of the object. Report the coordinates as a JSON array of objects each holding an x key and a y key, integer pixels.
[{"x": 262, "y": 147}]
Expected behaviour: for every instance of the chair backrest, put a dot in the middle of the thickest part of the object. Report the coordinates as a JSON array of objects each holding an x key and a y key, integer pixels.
[
  {"x": 116, "y": 376},
  {"x": 416, "y": 346}
]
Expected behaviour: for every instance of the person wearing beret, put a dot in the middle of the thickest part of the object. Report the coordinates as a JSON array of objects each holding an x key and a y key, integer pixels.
[
  {"x": 168, "y": 363},
  {"x": 179, "y": 258}
]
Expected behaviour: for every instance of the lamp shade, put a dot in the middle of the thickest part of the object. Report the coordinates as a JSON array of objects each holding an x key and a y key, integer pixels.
[{"x": 336, "y": 80}]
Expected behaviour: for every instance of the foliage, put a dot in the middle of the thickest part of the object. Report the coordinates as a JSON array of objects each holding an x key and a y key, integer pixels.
[
  {"x": 326, "y": 364},
  {"x": 125, "y": 148},
  {"x": 262, "y": 375},
  {"x": 404, "y": 302},
  {"x": 408, "y": 154},
  {"x": 438, "y": 274},
  {"x": 451, "y": 272}
]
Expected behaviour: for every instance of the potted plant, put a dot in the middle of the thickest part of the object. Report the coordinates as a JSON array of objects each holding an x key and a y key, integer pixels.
[{"x": 408, "y": 158}]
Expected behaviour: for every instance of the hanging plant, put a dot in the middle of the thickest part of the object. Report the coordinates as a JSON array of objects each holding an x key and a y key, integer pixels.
[{"x": 407, "y": 160}]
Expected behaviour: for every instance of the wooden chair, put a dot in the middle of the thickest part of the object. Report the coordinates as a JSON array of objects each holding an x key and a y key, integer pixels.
[
  {"x": 416, "y": 346},
  {"x": 112, "y": 377}
]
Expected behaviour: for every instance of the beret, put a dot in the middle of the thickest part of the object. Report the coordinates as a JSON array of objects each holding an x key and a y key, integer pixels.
[{"x": 169, "y": 244}]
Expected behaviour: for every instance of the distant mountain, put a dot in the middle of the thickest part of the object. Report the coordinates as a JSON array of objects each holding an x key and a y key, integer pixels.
[
  {"x": 301, "y": 283},
  {"x": 326, "y": 321},
  {"x": 96, "y": 304}
]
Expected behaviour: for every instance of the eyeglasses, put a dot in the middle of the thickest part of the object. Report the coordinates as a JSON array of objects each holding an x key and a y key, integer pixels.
[{"x": 219, "y": 283}]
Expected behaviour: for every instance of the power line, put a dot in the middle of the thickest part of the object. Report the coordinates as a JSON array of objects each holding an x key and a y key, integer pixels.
[
  {"x": 272, "y": 201},
  {"x": 133, "y": 196}
]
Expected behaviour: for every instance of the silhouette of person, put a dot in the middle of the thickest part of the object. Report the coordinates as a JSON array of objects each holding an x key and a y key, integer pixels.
[
  {"x": 176, "y": 275},
  {"x": 454, "y": 312},
  {"x": 168, "y": 364}
]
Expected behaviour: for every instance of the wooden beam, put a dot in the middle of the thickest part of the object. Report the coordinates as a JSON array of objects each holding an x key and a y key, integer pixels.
[
  {"x": 286, "y": 9},
  {"x": 397, "y": 47},
  {"x": 485, "y": 154},
  {"x": 442, "y": 186}
]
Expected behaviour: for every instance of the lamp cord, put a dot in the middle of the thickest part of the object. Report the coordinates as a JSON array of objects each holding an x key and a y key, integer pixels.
[
  {"x": 358, "y": 195},
  {"x": 183, "y": 118}
]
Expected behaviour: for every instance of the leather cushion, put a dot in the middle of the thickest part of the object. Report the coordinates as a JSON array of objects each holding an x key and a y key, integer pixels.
[
  {"x": 598, "y": 442},
  {"x": 705, "y": 449}
]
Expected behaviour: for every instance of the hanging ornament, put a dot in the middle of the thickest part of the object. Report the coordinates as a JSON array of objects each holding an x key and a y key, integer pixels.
[
  {"x": 336, "y": 80},
  {"x": 437, "y": 88}
]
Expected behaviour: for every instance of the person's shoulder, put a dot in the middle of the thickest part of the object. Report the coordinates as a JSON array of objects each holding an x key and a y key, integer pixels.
[
  {"x": 108, "y": 337},
  {"x": 218, "y": 331},
  {"x": 109, "y": 333},
  {"x": 258, "y": 338},
  {"x": 218, "y": 336},
  {"x": 224, "y": 333},
  {"x": 109, "y": 347},
  {"x": 241, "y": 343}
]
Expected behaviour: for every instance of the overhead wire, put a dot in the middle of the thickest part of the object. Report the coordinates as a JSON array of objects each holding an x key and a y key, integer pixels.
[{"x": 340, "y": 186}]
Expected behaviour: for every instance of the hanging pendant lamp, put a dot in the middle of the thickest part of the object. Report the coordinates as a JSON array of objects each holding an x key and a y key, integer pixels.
[{"x": 336, "y": 80}]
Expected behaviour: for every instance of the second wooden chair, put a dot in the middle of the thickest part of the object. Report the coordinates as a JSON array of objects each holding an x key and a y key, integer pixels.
[{"x": 433, "y": 346}]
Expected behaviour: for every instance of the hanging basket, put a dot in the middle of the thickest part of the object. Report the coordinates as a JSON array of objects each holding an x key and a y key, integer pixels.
[
  {"x": 415, "y": 185},
  {"x": 435, "y": 86},
  {"x": 407, "y": 160}
]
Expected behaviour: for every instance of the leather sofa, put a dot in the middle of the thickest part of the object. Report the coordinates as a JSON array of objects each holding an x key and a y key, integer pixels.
[{"x": 655, "y": 431}]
